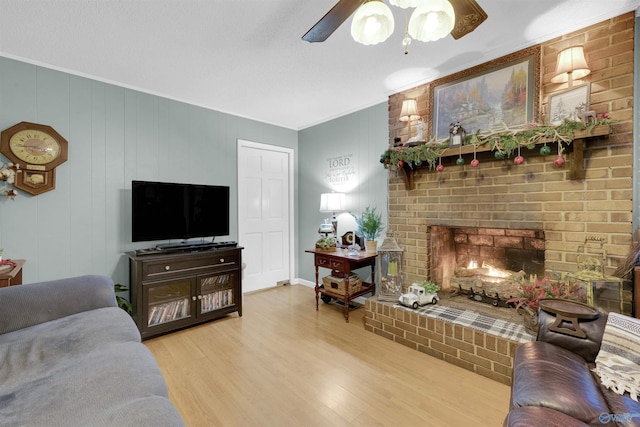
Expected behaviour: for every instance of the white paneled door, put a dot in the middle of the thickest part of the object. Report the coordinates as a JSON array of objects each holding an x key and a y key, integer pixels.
[{"x": 265, "y": 212}]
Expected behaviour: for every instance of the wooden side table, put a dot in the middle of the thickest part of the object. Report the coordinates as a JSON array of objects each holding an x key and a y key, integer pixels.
[
  {"x": 13, "y": 276},
  {"x": 340, "y": 261}
]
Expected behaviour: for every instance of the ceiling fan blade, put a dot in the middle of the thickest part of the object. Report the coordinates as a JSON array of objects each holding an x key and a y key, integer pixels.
[
  {"x": 332, "y": 20},
  {"x": 469, "y": 15}
]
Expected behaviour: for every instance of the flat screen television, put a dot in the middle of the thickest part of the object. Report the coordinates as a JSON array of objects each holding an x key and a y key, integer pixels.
[{"x": 166, "y": 211}]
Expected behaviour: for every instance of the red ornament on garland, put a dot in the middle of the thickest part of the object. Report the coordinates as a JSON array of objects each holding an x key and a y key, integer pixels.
[
  {"x": 440, "y": 168},
  {"x": 475, "y": 162},
  {"x": 519, "y": 159},
  {"x": 558, "y": 161}
]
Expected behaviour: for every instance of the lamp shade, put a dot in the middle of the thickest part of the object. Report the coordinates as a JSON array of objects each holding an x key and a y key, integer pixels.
[
  {"x": 332, "y": 202},
  {"x": 571, "y": 61},
  {"x": 372, "y": 23},
  {"x": 432, "y": 20},
  {"x": 409, "y": 110}
]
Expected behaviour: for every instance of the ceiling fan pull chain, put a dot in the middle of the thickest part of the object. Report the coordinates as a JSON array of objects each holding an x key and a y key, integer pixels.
[{"x": 406, "y": 41}]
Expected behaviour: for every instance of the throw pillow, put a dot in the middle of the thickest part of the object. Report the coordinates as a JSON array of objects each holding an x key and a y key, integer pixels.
[{"x": 618, "y": 361}]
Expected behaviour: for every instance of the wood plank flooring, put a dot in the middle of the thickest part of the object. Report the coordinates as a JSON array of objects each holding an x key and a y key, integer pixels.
[{"x": 285, "y": 364}]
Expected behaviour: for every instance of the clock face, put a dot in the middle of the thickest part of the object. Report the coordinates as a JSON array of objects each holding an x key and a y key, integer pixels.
[
  {"x": 34, "y": 146},
  {"x": 348, "y": 238},
  {"x": 39, "y": 150}
]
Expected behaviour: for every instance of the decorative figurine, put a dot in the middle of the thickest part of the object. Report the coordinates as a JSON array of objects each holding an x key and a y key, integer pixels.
[
  {"x": 418, "y": 137},
  {"x": 420, "y": 294}
]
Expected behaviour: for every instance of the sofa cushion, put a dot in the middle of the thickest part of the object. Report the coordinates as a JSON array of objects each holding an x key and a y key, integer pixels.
[
  {"x": 587, "y": 347},
  {"x": 34, "y": 349},
  {"x": 86, "y": 369},
  {"x": 552, "y": 377},
  {"x": 530, "y": 416},
  {"x": 28, "y": 305}
]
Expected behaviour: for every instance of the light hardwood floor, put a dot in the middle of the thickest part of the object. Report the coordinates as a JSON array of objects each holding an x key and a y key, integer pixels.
[{"x": 285, "y": 364}]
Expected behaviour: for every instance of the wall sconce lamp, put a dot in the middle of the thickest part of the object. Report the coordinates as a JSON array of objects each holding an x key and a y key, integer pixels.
[
  {"x": 409, "y": 112},
  {"x": 571, "y": 66},
  {"x": 333, "y": 202}
]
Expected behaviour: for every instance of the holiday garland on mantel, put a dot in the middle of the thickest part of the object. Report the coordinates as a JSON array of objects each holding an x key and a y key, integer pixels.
[{"x": 503, "y": 142}]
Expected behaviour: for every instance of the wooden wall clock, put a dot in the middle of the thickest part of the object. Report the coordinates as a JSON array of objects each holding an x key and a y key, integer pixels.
[{"x": 38, "y": 150}]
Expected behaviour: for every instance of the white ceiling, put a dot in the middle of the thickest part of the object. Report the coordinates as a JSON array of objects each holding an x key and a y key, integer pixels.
[{"x": 247, "y": 57}]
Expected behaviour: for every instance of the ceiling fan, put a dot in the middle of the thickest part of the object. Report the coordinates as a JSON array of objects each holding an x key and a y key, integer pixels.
[{"x": 468, "y": 16}]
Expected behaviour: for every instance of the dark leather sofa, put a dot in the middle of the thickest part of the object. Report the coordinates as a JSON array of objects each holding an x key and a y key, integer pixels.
[{"x": 553, "y": 383}]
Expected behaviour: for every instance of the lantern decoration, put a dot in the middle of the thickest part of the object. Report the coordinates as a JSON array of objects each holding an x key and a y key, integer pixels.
[
  {"x": 390, "y": 269},
  {"x": 603, "y": 292},
  {"x": 456, "y": 134}
]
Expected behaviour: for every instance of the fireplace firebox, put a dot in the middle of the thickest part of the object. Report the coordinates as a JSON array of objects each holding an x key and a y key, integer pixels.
[{"x": 484, "y": 262}]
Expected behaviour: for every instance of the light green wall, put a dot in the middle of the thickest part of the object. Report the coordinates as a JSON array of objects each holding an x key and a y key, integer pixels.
[
  {"x": 360, "y": 136},
  {"x": 115, "y": 135}
]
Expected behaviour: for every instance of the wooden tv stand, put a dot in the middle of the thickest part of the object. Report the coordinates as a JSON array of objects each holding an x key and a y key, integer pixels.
[{"x": 171, "y": 291}]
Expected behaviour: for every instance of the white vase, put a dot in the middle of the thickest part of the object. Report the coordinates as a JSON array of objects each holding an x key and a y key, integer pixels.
[{"x": 371, "y": 246}]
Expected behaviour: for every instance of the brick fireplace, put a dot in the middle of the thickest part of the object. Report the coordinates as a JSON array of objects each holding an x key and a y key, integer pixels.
[
  {"x": 535, "y": 206},
  {"x": 536, "y": 195}
]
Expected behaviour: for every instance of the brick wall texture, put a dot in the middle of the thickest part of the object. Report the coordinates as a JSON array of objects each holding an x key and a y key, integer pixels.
[
  {"x": 535, "y": 195},
  {"x": 474, "y": 350}
]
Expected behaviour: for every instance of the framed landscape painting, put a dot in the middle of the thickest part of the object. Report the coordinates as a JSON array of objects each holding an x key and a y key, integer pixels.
[{"x": 500, "y": 93}]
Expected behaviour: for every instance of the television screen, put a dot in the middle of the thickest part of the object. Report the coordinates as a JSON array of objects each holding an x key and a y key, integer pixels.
[{"x": 162, "y": 211}]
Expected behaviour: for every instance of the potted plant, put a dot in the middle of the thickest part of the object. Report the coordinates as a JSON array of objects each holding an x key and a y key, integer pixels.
[
  {"x": 326, "y": 243},
  {"x": 430, "y": 287},
  {"x": 123, "y": 303},
  {"x": 530, "y": 292},
  {"x": 370, "y": 226}
]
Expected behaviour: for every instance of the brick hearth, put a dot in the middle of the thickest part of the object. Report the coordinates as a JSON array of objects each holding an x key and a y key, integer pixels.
[{"x": 476, "y": 351}]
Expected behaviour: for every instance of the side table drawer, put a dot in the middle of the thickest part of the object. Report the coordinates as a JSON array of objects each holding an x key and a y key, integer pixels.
[{"x": 331, "y": 263}]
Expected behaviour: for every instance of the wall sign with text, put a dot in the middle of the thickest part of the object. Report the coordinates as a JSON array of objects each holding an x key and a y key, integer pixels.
[{"x": 341, "y": 171}]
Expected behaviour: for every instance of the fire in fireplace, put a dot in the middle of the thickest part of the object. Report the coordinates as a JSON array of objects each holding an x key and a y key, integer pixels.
[{"x": 484, "y": 263}]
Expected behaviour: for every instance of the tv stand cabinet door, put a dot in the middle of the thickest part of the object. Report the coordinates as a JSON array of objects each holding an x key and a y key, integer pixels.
[
  {"x": 219, "y": 294},
  {"x": 167, "y": 305}
]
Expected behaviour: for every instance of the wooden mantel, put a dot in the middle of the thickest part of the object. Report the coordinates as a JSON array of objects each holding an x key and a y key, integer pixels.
[{"x": 576, "y": 171}]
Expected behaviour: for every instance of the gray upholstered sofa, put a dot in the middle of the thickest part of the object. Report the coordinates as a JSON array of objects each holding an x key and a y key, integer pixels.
[{"x": 70, "y": 357}]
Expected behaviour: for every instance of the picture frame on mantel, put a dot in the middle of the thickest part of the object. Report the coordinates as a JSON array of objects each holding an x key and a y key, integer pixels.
[
  {"x": 501, "y": 92},
  {"x": 568, "y": 104}
]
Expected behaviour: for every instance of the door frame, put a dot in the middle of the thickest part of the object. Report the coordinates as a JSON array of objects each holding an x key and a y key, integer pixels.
[{"x": 291, "y": 185}]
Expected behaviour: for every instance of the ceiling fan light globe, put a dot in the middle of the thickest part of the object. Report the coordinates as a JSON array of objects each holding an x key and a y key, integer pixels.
[
  {"x": 432, "y": 20},
  {"x": 372, "y": 23},
  {"x": 404, "y": 4}
]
